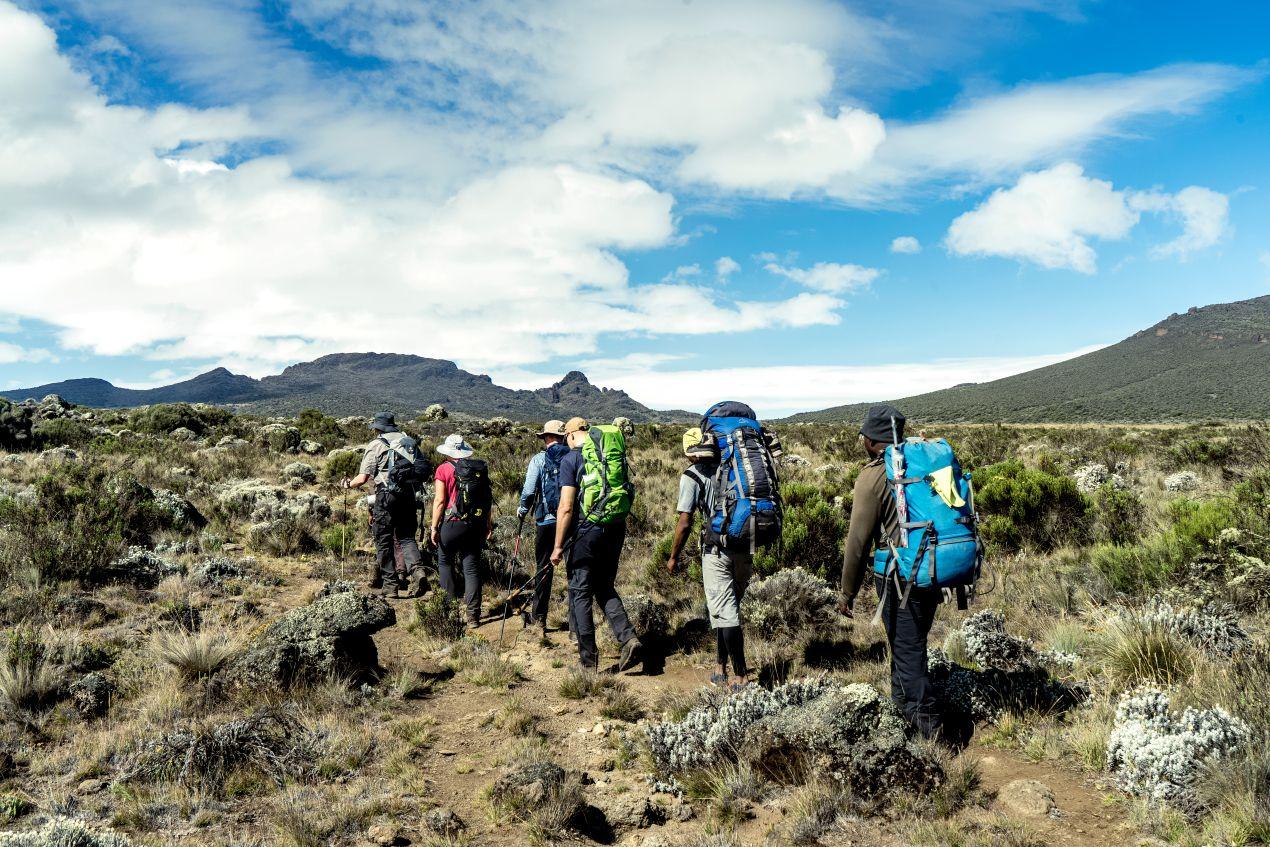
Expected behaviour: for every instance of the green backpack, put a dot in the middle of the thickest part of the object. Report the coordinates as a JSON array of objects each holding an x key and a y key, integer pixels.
[{"x": 606, "y": 489}]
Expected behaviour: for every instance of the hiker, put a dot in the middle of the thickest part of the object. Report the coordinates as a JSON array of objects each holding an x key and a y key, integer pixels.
[
  {"x": 462, "y": 521},
  {"x": 874, "y": 519},
  {"x": 595, "y": 498},
  {"x": 725, "y": 573},
  {"x": 541, "y": 495},
  {"x": 394, "y": 517}
]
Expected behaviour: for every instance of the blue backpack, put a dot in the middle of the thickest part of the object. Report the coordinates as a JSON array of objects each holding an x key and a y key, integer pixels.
[
  {"x": 935, "y": 506},
  {"x": 549, "y": 479},
  {"x": 748, "y": 512}
]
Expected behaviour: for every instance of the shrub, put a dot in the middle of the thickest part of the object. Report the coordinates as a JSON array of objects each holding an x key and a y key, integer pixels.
[
  {"x": 1028, "y": 508},
  {"x": 61, "y": 432},
  {"x": 63, "y": 832},
  {"x": 28, "y": 677},
  {"x": 324, "y": 429},
  {"x": 790, "y": 605},
  {"x": 342, "y": 464},
  {"x": 811, "y": 538},
  {"x": 1145, "y": 651},
  {"x": 1201, "y": 451},
  {"x": 161, "y": 419},
  {"x": 1120, "y": 514},
  {"x": 1158, "y": 755},
  {"x": 440, "y": 616}
]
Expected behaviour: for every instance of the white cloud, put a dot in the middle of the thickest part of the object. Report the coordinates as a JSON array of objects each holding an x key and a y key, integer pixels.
[
  {"x": 139, "y": 249},
  {"x": 1204, "y": 214},
  {"x": 782, "y": 390},
  {"x": 830, "y": 277},
  {"x": 725, "y": 266},
  {"x": 1048, "y": 217},
  {"x": 906, "y": 244},
  {"x": 11, "y": 354}
]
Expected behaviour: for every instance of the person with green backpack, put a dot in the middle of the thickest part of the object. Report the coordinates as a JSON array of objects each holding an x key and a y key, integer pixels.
[{"x": 595, "y": 499}]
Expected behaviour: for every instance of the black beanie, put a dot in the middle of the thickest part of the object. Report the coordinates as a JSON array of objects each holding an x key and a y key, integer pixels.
[{"x": 877, "y": 424}]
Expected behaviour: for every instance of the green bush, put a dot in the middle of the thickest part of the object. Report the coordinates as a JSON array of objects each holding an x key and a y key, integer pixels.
[
  {"x": 165, "y": 417},
  {"x": 61, "y": 432},
  {"x": 324, "y": 429},
  {"x": 76, "y": 523},
  {"x": 1120, "y": 514},
  {"x": 1144, "y": 567},
  {"x": 1027, "y": 508},
  {"x": 1201, "y": 451},
  {"x": 811, "y": 539},
  {"x": 344, "y": 464}
]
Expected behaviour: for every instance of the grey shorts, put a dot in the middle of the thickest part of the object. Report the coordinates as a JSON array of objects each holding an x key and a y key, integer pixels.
[{"x": 725, "y": 574}]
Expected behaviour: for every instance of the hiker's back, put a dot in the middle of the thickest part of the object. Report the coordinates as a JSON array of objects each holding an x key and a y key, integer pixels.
[{"x": 747, "y": 511}]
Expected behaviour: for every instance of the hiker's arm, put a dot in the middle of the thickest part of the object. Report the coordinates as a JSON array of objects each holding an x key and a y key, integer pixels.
[
  {"x": 438, "y": 509},
  {"x": 530, "y": 488},
  {"x": 357, "y": 481},
  {"x": 564, "y": 520},
  {"x": 866, "y": 512},
  {"x": 682, "y": 528},
  {"x": 366, "y": 470}
]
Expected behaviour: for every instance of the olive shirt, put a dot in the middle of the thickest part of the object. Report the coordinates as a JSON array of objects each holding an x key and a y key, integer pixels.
[{"x": 872, "y": 509}]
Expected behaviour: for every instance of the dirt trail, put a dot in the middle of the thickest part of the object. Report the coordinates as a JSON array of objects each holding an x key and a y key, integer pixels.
[{"x": 464, "y": 758}]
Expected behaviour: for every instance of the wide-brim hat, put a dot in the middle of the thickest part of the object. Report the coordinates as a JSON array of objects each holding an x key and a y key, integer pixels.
[
  {"x": 553, "y": 428},
  {"x": 384, "y": 422},
  {"x": 455, "y": 447}
]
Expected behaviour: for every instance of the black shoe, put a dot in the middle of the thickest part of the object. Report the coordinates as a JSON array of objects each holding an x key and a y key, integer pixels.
[{"x": 630, "y": 654}]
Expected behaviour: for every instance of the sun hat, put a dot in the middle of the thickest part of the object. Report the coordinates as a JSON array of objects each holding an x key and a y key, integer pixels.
[
  {"x": 384, "y": 422},
  {"x": 455, "y": 447},
  {"x": 576, "y": 425},
  {"x": 878, "y": 422},
  {"x": 553, "y": 428}
]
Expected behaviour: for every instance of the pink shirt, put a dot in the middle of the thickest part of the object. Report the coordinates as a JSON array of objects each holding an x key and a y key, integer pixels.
[{"x": 445, "y": 476}]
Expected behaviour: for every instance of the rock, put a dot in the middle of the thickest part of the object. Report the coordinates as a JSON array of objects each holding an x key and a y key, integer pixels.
[
  {"x": 627, "y": 810},
  {"x": 229, "y": 442},
  {"x": 795, "y": 461},
  {"x": 15, "y": 425},
  {"x": 310, "y": 447},
  {"x": 140, "y": 567},
  {"x": 57, "y": 454},
  {"x": 1026, "y": 797},
  {"x": 435, "y": 412},
  {"x": 182, "y": 433},
  {"x": 1181, "y": 481},
  {"x": 383, "y": 833},
  {"x": 91, "y": 786},
  {"x": 443, "y": 822},
  {"x": 91, "y": 695},
  {"x": 299, "y": 472},
  {"x": 528, "y": 786},
  {"x": 1089, "y": 478},
  {"x": 330, "y": 637},
  {"x": 625, "y": 425}
]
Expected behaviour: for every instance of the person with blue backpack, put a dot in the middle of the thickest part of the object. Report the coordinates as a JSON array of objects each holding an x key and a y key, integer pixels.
[
  {"x": 913, "y": 524},
  {"x": 540, "y": 495}
]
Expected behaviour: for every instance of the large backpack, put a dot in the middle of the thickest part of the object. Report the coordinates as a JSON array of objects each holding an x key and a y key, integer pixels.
[
  {"x": 939, "y": 544},
  {"x": 549, "y": 478},
  {"x": 408, "y": 469},
  {"x": 606, "y": 491},
  {"x": 473, "y": 496},
  {"x": 748, "y": 513}
]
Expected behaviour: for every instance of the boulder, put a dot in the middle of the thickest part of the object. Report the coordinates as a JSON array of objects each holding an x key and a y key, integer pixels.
[
  {"x": 1181, "y": 481},
  {"x": 627, "y": 809},
  {"x": 182, "y": 433},
  {"x": 56, "y": 455},
  {"x": 229, "y": 442},
  {"x": 15, "y": 425},
  {"x": 1027, "y": 798},
  {"x": 309, "y": 447},
  {"x": 435, "y": 412},
  {"x": 528, "y": 786},
  {"x": 443, "y": 822},
  {"x": 330, "y": 637}
]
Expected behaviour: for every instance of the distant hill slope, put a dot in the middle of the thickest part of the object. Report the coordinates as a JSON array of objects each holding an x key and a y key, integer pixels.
[
  {"x": 1209, "y": 363},
  {"x": 361, "y": 383}
]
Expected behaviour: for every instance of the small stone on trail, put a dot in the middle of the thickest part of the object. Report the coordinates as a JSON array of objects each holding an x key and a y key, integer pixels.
[
  {"x": 91, "y": 786},
  {"x": 1027, "y": 797},
  {"x": 383, "y": 833}
]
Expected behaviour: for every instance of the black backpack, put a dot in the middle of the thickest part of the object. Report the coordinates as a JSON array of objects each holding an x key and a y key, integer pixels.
[
  {"x": 473, "y": 496},
  {"x": 408, "y": 470}
]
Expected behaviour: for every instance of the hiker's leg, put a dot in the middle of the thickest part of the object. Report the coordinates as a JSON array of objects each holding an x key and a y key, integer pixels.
[
  {"x": 472, "y": 572},
  {"x": 603, "y": 577},
  {"x": 449, "y": 572},
  {"x": 406, "y": 527},
  {"x": 890, "y": 609},
  {"x": 544, "y": 543},
  {"x": 581, "y": 597},
  {"x": 734, "y": 643},
  {"x": 381, "y": 528},
  {"x": 722, "y": 602},
  {"x": 907, "y": 630}
]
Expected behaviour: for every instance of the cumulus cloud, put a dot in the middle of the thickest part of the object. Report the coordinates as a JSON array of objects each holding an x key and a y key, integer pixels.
[
  {"x": 11, "y": 354},
  {"x": 140, "y": 249},
  {"x": 1049, "y": 218},
  {"x": 906, "y": 244},
  {"x": 830, "y": 277},
  {"x": 725, "y": 266}
]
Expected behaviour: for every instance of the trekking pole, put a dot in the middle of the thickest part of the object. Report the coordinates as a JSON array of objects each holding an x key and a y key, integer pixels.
[
  {"x": 344, "y": 535},
  {"x": 511, "y": 576}
]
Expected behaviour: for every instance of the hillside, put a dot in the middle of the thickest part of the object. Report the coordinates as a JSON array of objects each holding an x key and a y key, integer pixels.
[
  {"x": 1209, "y": 363},
  {"x": 359, "y": 383}
]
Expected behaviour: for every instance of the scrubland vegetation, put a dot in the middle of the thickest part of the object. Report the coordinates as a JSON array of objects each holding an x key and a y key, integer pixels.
[{"x": 187, "y": 657}]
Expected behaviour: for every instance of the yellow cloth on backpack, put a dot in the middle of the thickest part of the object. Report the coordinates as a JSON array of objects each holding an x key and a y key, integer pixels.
[{"x": 942, "y": 481}]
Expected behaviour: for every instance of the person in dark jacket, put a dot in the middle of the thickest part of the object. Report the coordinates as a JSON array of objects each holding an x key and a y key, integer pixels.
[
  {"x": 873, "y": 521},
  {"x": 541, "y": 495}
]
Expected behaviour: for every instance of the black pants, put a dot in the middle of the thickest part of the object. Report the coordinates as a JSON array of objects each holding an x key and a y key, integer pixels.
[
  {"x": 906, "y": 631},
  {"x": 459, "y": 563},
  {"x": 730, "y": 643},
  {"x": 544, "y": 544},
  {"x": 592, "y": 572},
  {"x": 392, "y": 528}
]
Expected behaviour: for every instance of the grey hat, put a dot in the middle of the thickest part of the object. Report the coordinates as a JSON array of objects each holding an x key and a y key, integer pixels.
[
  {"x": 384, "y": 422},
  {"x": 883, "y": 423},
  {"x": 455, "y": 447}
]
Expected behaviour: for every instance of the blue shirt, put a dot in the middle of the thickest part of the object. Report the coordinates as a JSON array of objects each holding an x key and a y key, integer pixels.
[{"x": 530, "y": 492}]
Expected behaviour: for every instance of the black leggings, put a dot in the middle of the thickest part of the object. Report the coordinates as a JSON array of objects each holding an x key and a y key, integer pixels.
[{"x": 730, "y": 642}]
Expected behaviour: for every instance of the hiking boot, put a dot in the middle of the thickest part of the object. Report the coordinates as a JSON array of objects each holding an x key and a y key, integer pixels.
[
  {"x": 630, "y": 654},
  {"x": 473, "y": 623}
]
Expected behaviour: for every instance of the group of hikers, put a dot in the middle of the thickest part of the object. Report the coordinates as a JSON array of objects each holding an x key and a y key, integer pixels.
[{"x": 912, "y": 524}]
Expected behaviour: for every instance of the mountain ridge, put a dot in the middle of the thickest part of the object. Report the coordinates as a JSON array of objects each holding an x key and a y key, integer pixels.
[
  {"x": 358, "y": 383},
  {"x": 1210, "y": 362}
]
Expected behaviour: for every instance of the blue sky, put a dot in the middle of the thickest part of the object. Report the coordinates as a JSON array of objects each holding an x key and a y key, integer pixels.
[{"x": 685, "y": 200}]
